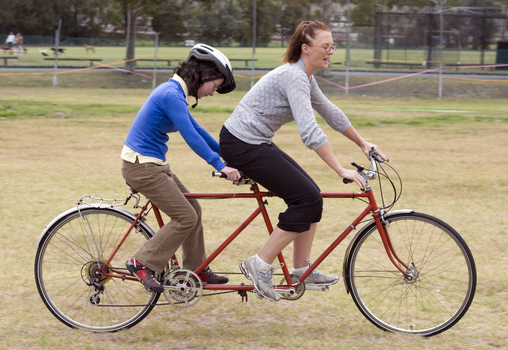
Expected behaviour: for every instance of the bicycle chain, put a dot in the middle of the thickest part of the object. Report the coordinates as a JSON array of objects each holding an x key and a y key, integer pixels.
[{"x": 204, "y": 295}]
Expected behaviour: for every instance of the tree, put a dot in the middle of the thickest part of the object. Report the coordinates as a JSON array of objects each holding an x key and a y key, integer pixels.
[
  {"x": 292, "y": 12},
  {"x": 221, "y": 22},
  {"x": 364, "y": 11},
  {"x": 326, "y": 11},
  {"x": 173, "y": 19},
  {"x": 131, "y": 10},
  {"x": 266, "y": 19},
  {"x": 37, "y": 17}
]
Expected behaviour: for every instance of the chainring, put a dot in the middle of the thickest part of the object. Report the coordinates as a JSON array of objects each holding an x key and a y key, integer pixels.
[
  {"x": 182, "y": 288},
  {"x": 299, "y": 291}
]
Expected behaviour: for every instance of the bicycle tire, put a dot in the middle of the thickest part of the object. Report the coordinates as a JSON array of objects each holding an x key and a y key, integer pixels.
[
  {"x": 444, "y": 283},
  {"x": 65, "y": 260}
]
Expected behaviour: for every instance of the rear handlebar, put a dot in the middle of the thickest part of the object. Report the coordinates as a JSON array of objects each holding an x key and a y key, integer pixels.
[{"x": 243, "y": 179}]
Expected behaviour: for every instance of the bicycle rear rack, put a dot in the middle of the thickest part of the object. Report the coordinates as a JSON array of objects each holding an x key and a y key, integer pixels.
[{"x": 103, "y": 202}]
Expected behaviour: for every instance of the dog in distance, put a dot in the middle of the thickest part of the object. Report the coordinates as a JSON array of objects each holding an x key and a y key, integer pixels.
[{"x": 89, "y": 48}]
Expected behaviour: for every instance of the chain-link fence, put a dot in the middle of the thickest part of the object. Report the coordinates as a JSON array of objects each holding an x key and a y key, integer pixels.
[{"x": 387, "y": 47}]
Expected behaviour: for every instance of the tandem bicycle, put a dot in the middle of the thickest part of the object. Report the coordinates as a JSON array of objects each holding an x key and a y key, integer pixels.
[{"x": 407, "y": 272}]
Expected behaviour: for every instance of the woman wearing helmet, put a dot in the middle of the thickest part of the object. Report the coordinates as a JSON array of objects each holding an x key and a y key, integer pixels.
[{"x": 145, "y": 169}]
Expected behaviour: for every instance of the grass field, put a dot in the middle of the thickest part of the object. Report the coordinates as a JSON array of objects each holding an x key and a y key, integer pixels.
[
  {"x": 267, "y": 57},
  {"x": 59, "y": 144}
]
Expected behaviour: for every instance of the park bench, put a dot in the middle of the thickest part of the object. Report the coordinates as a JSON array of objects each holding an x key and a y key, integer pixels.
[
  {"x": 458, "y": 65},
  {"x": 159, "y": 60},
  {"x": 5, "y": 58},
  {"x": 246, "y": 60},
  {"x": 92, "y": 60},
  {"x": 409, "y": 64}
]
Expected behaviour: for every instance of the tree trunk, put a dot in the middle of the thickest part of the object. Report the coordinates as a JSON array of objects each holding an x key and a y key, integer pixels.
[
  {"x": 326, "y": 11},
  {"x": 326, "y": 14},
  {"x": 131, "y": 30}
]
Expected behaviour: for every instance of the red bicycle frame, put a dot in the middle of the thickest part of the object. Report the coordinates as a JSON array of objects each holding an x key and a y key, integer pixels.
[{"x": 261, "y": 209}]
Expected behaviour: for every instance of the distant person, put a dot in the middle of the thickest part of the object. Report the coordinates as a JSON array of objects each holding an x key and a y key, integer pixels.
[
  {"x": 19, "y": 43},
  {"x": 11, "y": 39}
]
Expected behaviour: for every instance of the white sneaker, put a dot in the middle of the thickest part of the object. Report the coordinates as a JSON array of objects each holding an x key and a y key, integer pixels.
[
  {"x": 261, "y": 276},
  {"x": 317, "y": 277}
]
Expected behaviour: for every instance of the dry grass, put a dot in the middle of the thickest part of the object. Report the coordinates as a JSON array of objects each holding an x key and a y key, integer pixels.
[{"x": 453, "y": 168}]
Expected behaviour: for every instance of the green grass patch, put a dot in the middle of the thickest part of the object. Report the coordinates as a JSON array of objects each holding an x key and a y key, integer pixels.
[
  {"x": 27, "y": 109},
  {"x": 227, "y": 110}
]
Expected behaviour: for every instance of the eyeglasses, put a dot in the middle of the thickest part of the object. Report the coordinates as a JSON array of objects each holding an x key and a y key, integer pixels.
[{"x": 330, "y": 49}]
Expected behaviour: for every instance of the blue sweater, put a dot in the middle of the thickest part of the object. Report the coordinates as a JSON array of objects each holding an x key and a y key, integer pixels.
[{"x": 166, "y": 111}]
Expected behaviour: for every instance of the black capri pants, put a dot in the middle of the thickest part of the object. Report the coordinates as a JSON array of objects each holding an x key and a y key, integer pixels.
[{"x": 273, "y": 169}]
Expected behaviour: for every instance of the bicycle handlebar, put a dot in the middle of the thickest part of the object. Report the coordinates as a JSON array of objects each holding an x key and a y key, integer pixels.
[
  {"x": 219, "y": 174},
  {"x": 371, "y": 173},
  {"x": 243, "y": 179}
]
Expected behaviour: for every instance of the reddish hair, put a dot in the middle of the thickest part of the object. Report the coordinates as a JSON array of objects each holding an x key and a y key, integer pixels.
[{"x": 305, "y": 31}]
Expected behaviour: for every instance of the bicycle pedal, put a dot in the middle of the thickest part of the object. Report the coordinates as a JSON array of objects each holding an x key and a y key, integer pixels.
[{"x": 317, "y": 287}]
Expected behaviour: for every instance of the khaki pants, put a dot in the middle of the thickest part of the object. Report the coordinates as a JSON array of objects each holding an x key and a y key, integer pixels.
[{"x": 159, "y": 184}]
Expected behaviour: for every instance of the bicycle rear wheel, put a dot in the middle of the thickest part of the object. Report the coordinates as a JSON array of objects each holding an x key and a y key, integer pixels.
[
  {"x": 443, "y": 273},
  {"x": 76, "y": 246}
]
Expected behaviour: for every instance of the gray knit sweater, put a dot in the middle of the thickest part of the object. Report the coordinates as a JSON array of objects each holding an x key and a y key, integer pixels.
[{"x": 281, "y": 96}]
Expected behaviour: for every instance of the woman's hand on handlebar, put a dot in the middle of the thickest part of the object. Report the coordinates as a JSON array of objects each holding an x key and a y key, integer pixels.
[
  {"x": 354, "y": 176},
  {"x": 231, "y": 173},
  {"x": 367, "y": 147}
]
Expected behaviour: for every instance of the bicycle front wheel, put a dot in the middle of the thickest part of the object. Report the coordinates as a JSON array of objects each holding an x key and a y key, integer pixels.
[
  {"x": 70, "y": 254},
  {"x": 442, "y": 273}
]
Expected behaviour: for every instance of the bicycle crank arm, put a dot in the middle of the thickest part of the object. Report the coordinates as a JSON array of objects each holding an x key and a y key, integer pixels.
[
  {"x": 181, "y": 289},
  {"x": 289, "y": 290},
  {"x": 317, "y": 287}
]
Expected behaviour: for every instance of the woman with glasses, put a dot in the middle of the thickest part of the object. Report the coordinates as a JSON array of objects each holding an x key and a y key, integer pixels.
[
  {"x": 289, "y": 93},
  {"x": 145, "y": 168}
]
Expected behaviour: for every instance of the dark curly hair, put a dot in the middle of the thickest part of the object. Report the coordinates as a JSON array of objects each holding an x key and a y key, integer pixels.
[{"x": 194, "y": 72}]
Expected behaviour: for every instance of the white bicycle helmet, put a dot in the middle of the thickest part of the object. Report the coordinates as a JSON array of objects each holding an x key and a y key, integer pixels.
[{"x": 207, "y": 53}]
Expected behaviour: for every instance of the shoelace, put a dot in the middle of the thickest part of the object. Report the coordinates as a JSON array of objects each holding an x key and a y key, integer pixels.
[
  {"x": 134, "y": 262},
  {"x": 267, "y": 275},
  {"x": 314, "y": 276}
]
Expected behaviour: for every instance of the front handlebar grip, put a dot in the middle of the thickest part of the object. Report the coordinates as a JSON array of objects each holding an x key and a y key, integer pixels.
[{"x": 346, "y": 181}]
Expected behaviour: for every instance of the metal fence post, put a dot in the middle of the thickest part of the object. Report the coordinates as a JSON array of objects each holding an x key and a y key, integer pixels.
[
  {"x": 154, "y": 78},
  {"x": 57, "y": 41}
]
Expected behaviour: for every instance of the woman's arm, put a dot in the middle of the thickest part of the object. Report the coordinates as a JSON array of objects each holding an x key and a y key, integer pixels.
[
  {"x": 365, "y": 146},
  {"x": 214, "y": 145},
  {"x": 326, "y": 154}
]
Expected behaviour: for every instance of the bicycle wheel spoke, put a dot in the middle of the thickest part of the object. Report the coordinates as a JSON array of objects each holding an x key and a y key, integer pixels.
[
  {"x": 440, "y": 281},
  {"x": 68, "y": 269}
]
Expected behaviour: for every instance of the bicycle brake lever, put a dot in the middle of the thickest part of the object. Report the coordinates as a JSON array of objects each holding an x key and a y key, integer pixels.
[{"x": 373, "y": 154}]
